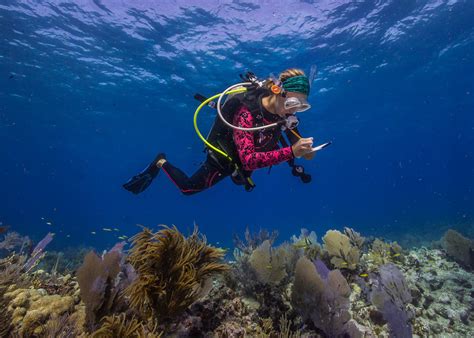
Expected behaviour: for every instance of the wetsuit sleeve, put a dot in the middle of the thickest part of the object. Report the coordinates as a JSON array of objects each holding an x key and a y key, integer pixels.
[{"x": 244, "y": 141}]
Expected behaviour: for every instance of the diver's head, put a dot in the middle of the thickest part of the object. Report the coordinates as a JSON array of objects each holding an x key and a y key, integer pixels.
[{"x": 289, "y": 93}]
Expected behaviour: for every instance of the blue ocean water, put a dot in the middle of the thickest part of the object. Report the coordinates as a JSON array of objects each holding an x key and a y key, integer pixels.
[{"x": 91, "y": 90}]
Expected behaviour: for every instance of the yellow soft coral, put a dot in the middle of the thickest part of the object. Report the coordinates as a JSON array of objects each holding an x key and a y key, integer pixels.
[
  {"x": 171, "y": 269},
  {"x": 382, "y": 253}
]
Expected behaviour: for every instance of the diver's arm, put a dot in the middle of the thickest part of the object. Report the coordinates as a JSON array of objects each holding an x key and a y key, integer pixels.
[{"x": 244, "y": 142}]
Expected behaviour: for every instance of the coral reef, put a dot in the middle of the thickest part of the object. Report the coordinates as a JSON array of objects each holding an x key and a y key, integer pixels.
[
  {"x": 66, "y": 261},
  {"x": 443, "y": 294},
  {"x": 253, "y": 240},
  {"x": 13, "y": 240},
  {"x": 172, "y": 285}
]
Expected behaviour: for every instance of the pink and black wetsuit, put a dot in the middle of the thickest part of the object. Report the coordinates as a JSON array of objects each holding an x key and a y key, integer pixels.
[
  {"x": 254, "y": 150},
  {"x": 258, "y": 149}
]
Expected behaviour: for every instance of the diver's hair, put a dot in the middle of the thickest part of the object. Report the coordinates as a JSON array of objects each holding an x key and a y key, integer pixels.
[
  {"x": 290, "y": 72},
  {"x": 286, "y": 74}
]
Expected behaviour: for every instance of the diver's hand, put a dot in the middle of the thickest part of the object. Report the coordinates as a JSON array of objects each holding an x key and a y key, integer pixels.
[
  {"x": 309, "y": 156},
  {"x": 302, "y": 147}
]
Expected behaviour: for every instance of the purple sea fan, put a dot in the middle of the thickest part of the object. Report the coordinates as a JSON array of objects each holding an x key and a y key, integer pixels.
[
  {"x": 390, "y": 294},
  {"x": 322, "y": 296},
  {"x": 38, "y": 252}
]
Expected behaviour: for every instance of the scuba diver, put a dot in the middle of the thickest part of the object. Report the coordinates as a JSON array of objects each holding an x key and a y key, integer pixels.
[{"x": 255, "y": 128}]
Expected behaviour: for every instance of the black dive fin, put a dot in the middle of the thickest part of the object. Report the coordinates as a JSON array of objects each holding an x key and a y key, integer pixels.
[{"x": 141, "y": 181}]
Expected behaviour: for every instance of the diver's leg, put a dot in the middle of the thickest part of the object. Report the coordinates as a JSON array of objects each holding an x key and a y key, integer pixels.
[{"x": 206, "y": 176}]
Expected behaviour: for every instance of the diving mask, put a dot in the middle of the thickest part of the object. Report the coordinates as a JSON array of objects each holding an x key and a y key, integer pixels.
[{"x": 299, "y": 105}]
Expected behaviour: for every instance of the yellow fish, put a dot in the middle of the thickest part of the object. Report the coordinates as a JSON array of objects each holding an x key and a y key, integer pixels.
[
  {"x": 269, "y": 267},
  {"x": 303, "y": 243},
  {"x": 106, "y": 229},
  {"x": 396, "y": 255},
  {"x": 122, "y": 237},
  {"x": 364, "y": 275}
]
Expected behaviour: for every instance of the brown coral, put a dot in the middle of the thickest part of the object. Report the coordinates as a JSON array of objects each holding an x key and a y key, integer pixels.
[
  {"x": 5, "y": 318},
  {"x": 458, "y": 247},
  {"x": 343, "y": 254},
  {"x": 120, "y": 326},
  {"x": 11, "y": 277},
  {"x": 171, "y": 271},
  {"x": 96, "y": 278}
]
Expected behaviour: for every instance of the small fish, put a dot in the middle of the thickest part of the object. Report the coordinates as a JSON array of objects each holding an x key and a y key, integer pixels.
[
  {"x": 364, "y": 275},
  {"x": 303, "y": 243},
  {"x": 115, "y": 229},
  {"x": 93, "y": 232},
  {"x": 269, "y": 267},
  {"x": 49, "y": 223},
  {"x": 42, "y": 218},
  {"x": 106, "y": 229},
  {"x": 344, "y": 263},
  {"x": 68, "y": 236},
  {"x": 396, "y": 255},
  {"x": 122, "y": 237}
]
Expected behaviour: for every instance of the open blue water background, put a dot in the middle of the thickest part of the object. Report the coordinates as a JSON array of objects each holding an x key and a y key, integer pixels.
[{"x": 91, "y": 90}]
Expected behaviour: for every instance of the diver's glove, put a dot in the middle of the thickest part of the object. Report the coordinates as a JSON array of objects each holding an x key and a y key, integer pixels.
[{"x": 141, "y": 181}]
